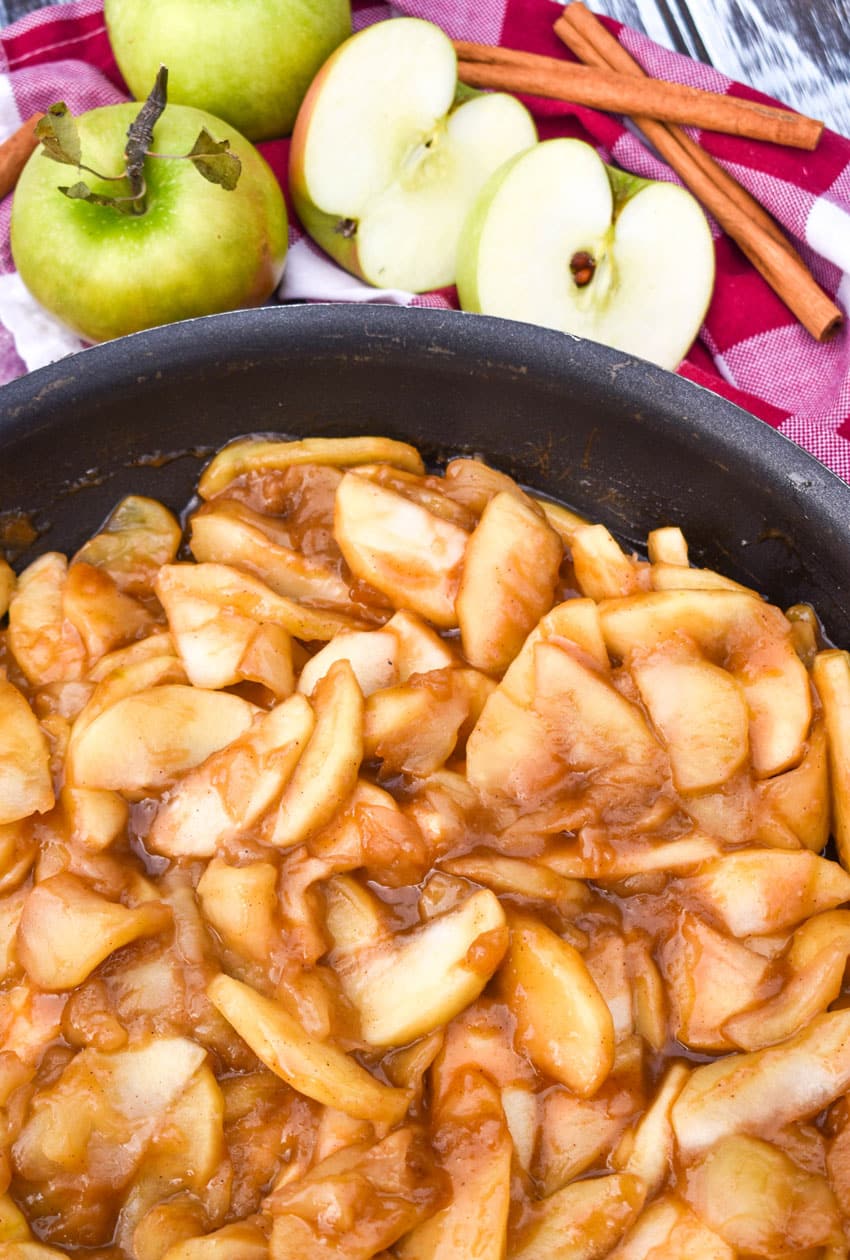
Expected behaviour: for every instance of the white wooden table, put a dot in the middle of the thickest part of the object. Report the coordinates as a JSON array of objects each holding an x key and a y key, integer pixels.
[{"x": 796, "y": 50}]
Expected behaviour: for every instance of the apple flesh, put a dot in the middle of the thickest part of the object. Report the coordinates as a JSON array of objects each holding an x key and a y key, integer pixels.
[
  {"x": 246, "y": 61},
  {"x": 560, "y": 239},
  {"x": 197, "y": 249},
  {"x": 388, "y": 157}
]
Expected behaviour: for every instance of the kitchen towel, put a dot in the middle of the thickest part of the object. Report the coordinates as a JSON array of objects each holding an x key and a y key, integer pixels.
[{"x": 750, "y": 348}]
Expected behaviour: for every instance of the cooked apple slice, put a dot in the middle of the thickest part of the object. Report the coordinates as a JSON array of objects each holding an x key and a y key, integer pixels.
[
  {"x": 576, "y": 1133},
  {"x": 420, "y": 648},
  {"x": 647, "y": 1150},
  {"x": 758, "y": 891},
  {"x": 404, "y": 986},
  {"x": 241, "y": 903},
  {"x": 761, "y": 1202},
  {"x": 326, "y": 773},
  {"x": 240, "y": 1241},
  {"x": 668, "y": 1227},
  {"x": 187, "y": 1149},
  {"x": 831, "y": 675},
  {"x": 759, "y": 1092},
  {"x": 473, "y": 483},
  {"x": 385, "y": 193},
  {"x": 506, "y": 752},
  {"x": 104, "y": 617},
  {"x": 679, "y": 577},
  {"x": 521, "y": 878},
  {"x": 400, "y": 548},
  {"x": 145, "y": 740},
  {"x": 153, "y": 645},
  {"x": 701, "y": 714},
  {"x": 565, "y": 522},
  {"x": 318, "y": 1069},
  {"x": 477, "y": 1154},
  {"x": 45, "y": 644},
  {"x": 798, "y": 801},
  {"x": 576, "y": 620},
  {"x": 562, "y": 1020},
  {"x": 428, "y": 492},
  {"x": 584, "y": 1220},
  {"x": 26, "y": 786},
  {"x": 737, "y": 630},
  {"x": 357, "y": 1201},
  {"x": 233, "y": 788},
  {"x": 649, "y": 1000},
  {"x": 228, "y": 532},
  {"x": 95, "y": 816},
  {"x": 414, "y": 727},
  {"x": 808, "y": 993},
  {"x": 594, "y": 857},
  {"x": 216, "y": 622},
  {"x": 194, "y": 595},
  {"x": 7, "y": 585},
  {"x": 66, "y": 929},
  {"x": 710, "y": 979},
  {"x": 97, "y": 1096},
  {"x": 602, "y": 568},
  {"x": 139, "y": 536},
  {"x": 372, "y": 654},
  {"x": 589, "y": 723},
  {"x": 137, "y": 676},
  {"x": 508, "y": 581},
  {"x": 667, "y": 545},
  {"x": 557, "y": 238},
  {"x": 258, "y": 455},
  {"x": 815, "y": 962}
]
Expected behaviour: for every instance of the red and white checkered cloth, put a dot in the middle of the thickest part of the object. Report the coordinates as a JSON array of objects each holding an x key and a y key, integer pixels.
[{"x": 750, "y": 347}]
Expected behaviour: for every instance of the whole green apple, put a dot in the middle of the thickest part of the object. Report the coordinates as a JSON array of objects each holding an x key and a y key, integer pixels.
[
  {"x": 195, "y": 249},
  {"x": 247, "y": 61}
]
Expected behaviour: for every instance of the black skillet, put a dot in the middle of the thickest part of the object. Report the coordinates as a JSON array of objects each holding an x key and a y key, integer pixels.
[{"x": 614, "y": 437}]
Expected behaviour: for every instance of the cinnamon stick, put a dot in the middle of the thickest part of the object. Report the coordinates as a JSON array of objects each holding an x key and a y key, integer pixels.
[
  {"x": 14, "y": 153},
  {"x": 758, "y": 236},
  {"x": 485, "y": 66},
  {"x": 667, "y": 138}
]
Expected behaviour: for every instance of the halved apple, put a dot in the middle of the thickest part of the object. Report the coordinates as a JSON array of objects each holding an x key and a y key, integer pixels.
[
  {"x": 387, "y": 157},
  {"x": 557, "y": 238}
]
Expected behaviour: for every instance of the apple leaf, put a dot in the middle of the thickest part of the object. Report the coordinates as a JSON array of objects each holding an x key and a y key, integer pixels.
[
  {"x": 214, "y": 160},
  {"x": 81, "y": 192},
  {"x": 58, "y": 134}
]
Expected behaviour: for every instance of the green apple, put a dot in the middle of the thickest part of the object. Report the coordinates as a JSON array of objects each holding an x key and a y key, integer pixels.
[
  {"x": 197, "y": 248},
  {"x": 560, "y": 239},
  {"x": 388, "y": 155},
  {"x": 247, "y": 61}
]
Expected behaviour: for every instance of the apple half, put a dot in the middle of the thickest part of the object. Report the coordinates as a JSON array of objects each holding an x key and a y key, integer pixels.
[
  {"x": 388, "y": 154},
  {"x": 558, "y": 238}
]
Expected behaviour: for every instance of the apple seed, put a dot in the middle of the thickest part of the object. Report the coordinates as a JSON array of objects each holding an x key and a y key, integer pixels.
[{"x": 583, "y": 267}]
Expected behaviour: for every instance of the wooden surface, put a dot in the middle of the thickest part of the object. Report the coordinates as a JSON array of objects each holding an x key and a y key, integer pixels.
[{"x": 796, "y": 50}]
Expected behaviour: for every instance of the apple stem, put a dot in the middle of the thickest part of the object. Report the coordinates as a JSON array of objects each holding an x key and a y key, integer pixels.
[{"x": 583, "y": 267}]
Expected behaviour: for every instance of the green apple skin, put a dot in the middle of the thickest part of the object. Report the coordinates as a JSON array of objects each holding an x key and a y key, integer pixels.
[
  {"x": 327, "y": 230},
  {"x": 467, "y": 255},
  {"x": 196, "y": 250},
  {"x": 249, "y": 62}
]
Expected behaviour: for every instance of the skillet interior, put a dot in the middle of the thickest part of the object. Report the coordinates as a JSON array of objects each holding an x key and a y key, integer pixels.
[{"x": 610, "y": 435}]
